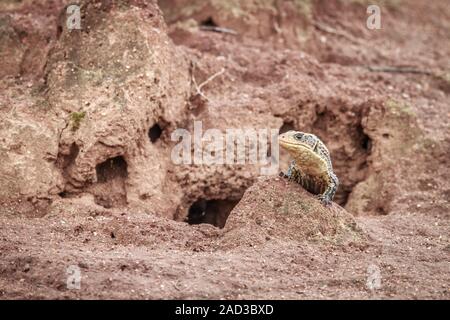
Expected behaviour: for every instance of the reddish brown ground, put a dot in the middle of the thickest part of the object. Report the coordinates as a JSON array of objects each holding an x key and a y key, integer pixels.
[
  {"x": 278, "y": 242},
  {"x": 123, "y": 255}
]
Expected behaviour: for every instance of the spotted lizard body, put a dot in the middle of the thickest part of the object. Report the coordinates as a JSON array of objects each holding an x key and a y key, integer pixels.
[{"x": 311, "y": 166}]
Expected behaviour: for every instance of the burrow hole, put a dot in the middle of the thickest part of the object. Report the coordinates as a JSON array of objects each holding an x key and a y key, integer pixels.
[
  {"x": 154, "y": 133},
  {"x": 208, "y": 23},
  {"x": 213, "y": 211},
  {"x": 365, "y": 141},
  {"x": 110, "y": 191},
  {"x": 63, "y": 194},
  {"x": 287, "y": 126}
]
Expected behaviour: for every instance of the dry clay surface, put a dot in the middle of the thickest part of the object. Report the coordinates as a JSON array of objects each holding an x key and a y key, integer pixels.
[
  {"x": 291, "y": 249},
  {"x": 87, "y": 180}
]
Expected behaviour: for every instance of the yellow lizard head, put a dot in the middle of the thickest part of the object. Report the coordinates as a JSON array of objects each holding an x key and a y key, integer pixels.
[{"x": 296, "y": 141}]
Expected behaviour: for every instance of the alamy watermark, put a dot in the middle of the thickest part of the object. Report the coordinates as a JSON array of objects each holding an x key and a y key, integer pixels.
[
  {"x": 73, "y": 21},
  {"x": 373, "y": 277},
  {"x": 232, "y": 147},
  {"x": 73, "y": 277},
  {"x": 374, "y": 20}
]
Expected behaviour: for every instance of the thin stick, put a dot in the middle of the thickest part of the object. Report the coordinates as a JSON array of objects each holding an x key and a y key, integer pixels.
[
  {"x": 198, "y": 88},
  {"x": 195, "y": 82},
  {"x": 218, "y": 29},
  {"x": 215, "y": 75}
]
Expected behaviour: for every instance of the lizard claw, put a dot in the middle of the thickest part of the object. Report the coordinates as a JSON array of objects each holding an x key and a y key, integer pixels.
[
  {"x": 326, "y": 201},
  {"x": 283, "y": 175}
]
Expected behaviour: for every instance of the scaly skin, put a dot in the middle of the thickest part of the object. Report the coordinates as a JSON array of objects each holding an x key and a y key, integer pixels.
[{"x": 311, "y": 167}]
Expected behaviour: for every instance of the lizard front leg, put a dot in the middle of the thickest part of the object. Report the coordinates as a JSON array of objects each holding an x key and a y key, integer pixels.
[
  {"x": 289, "y": 173},
  {"x": 327, "y": 197}
]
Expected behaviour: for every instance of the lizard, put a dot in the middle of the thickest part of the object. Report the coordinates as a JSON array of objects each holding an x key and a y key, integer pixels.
[{"x": 311, "y": 167}]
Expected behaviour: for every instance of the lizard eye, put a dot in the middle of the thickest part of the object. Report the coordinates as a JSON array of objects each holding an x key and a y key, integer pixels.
[{"x": 298, "y": 136}]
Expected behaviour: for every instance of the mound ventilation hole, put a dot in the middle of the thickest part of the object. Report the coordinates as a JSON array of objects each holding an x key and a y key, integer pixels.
[
  {"x": 380, "y": 210},
  {"x": 214, "y": 212},
  {"x": 287, "y": 126},
  {"x": 154, "y": 133},
  {"x": 365, "y": 141},
  {"x": 63, "y": 194},
  {"x": 208, "y": 23},
  {"x": 110, "y": 188},
  {"x": 59, "y": 31}
]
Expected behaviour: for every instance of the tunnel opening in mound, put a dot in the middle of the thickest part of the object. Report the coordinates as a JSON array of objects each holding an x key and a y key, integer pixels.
[
  {"x": 215, "y": 211},
  {"x": 154, "y": 133},
  {"x": 365, "y": 141},
  {"x": 110, "y": 189},
  {"x": 287, "y": 126},
  {"x": 208, "y": 23}
]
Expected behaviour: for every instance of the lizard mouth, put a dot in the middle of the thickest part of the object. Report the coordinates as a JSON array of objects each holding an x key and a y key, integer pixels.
[{"x": 294, "y": 145}]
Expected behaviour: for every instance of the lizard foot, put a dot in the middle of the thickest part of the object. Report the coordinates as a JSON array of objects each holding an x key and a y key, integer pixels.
[
  {"x": 326, "y": 201},
  {"x": 283, "y": 175}
]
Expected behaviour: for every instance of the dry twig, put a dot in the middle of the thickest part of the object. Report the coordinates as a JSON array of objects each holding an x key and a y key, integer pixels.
[
  {"x": 204, "y": 83},
  {"x": 198, "y": 88},
  {"x": 218, "y": 29}
]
